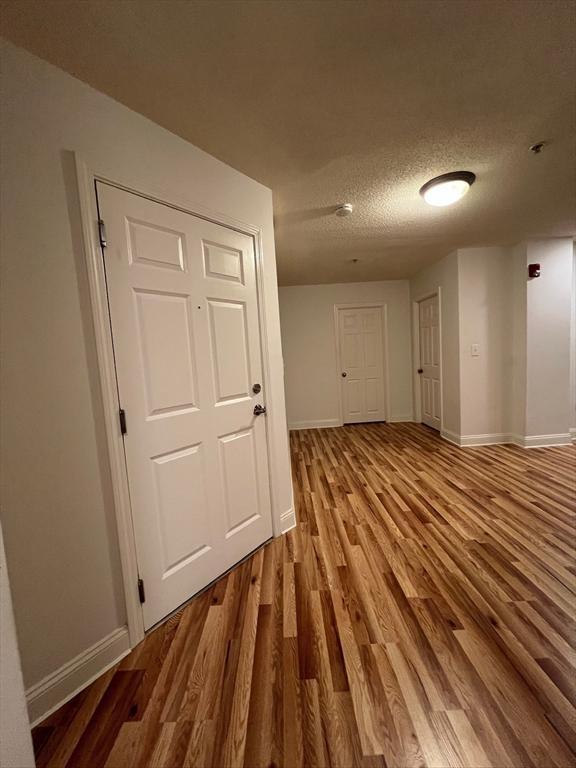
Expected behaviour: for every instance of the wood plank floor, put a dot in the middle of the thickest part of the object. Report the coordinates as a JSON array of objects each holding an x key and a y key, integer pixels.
[{"x": 421, "y": 614}]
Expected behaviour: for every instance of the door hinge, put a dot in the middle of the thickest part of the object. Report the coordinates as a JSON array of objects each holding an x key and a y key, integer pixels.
[
  {"x": 141, "y": 593},
  {"x": 122, "y": 417},
  {"x": 102, "y": 233}
]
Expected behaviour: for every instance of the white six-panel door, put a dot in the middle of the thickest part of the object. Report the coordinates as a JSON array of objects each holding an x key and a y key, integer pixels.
[
  {"x": 361, "y": 349},
  {"x": 184, "y": 315},
  {"x": 430, "y": 361}
]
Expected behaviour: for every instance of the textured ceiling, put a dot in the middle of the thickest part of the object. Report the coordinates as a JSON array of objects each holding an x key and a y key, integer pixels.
[{"x": 357, "y": 101}]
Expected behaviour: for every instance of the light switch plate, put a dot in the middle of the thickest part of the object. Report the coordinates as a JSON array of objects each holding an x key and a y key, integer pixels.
[{"x": 475, "y": 350}]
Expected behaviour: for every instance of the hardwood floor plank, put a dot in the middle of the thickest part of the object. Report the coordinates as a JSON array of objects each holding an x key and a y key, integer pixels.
[
  {"x": 361, "y": 700},
  {"x": 261, "y": 716},
  {"x": 125, "y": 747},
  {"x": 76, "y": 723},
  {"x": 417, "y": 708},
  {"x": 292, "y": 704},
  {"x": 514, "y": 700},
  {"x": 201, "y": 744},
  {"x": 472, "y": 749},
  {"x": 314, "y": 751},
  {"x": 410, "y": 751},
  {"x": 420, "y": 615},
  {"x": 235, "y": 742},
  {"x": 161, "y": 757},
  {"x": 112, "y": 711}
]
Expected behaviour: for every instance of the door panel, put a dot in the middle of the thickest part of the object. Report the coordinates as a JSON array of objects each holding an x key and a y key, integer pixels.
[
  {"x": 354, "y": 399},
  {"x": 429, "y": 328},
  {"x": 352, "y": 350},
  {"x": 372, "y": 396},
  {"x": 436, "y": 399},
  {"x": 361, "y": 347},
  {"x": 224, "y": 263},
  {"x": 184, "y": 315},
  {"x": 183, "y": 506},
  {"x": 239, "y": 475},
  {"x": 229, "y": 349},
  {"x": 154, "y": 245},
  {"x": 163, "y": 328},
  {"x": 372, "y": 351}
]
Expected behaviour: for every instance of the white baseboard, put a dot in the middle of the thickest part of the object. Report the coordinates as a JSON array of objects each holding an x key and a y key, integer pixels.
[
  {"x": 524, "y": 441},
  {"x": 323, "y": 423},
  {"x": 572, "y": 431},
  {"x": 452, "y": 437},
  {"x": 60, "y": 686},
  {"x": 315, "y": 424},
  {"x": 542, "y": 441},
  {"x": 287, "y": 520},
  {"x": 494, "y": 439},
  {"x": 469, "y": 441}
]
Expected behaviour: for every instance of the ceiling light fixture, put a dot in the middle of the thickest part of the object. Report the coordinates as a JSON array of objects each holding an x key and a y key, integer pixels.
[
  {"x": 448, "y": 188},
  {"x": 344, "y": 210}
]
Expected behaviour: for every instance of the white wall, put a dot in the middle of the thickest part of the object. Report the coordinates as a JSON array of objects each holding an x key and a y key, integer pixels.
[
  {"x": 517, "y": 389},
  {"x": 309, "y": 344},
  {"x": 573, "y": 350},
  {"x": 542, "y": 390},
  {"x": 59, "y": 522},
  {"x": 15, "y": 741},
  {"x": 485, "y": 316},
  {"x": 444, "y": 275},
  {"x": 548, "y": 331},
  {"x": 519, "y": 386}
]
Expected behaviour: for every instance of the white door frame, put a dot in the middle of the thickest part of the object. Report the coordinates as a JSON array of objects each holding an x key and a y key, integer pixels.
[
  {"x": 363, "y": 305},
  {"x": 416, "y": 354},
  {"x": 86, "y": 178}
]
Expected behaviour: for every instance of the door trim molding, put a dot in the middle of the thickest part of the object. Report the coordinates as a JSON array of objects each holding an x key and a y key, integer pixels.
[
  {"x": 86, "y": 178},
  {"x": 363, "y": 305},
  {"x": 416, "y": 355}
]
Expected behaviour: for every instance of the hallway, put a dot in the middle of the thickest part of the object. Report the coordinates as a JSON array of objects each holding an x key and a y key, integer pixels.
[{"x": 421, "y": 614}]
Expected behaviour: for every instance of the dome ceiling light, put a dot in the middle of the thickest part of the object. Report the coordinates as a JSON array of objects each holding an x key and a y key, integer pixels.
[{"x": 448, "y": 188}]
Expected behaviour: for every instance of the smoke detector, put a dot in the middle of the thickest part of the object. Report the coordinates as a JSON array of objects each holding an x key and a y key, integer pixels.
[{"x": 344, "y": 210}]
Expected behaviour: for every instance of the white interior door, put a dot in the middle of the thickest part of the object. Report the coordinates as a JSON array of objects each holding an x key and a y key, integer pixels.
[
  {"x": 429, "y": 370},
  {"x": 184, "y": 314},
  {"x": 361, "y": 347}
]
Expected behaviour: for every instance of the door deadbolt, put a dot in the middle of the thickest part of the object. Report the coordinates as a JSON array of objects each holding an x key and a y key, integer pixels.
[{"x": 256, "y": 388}]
